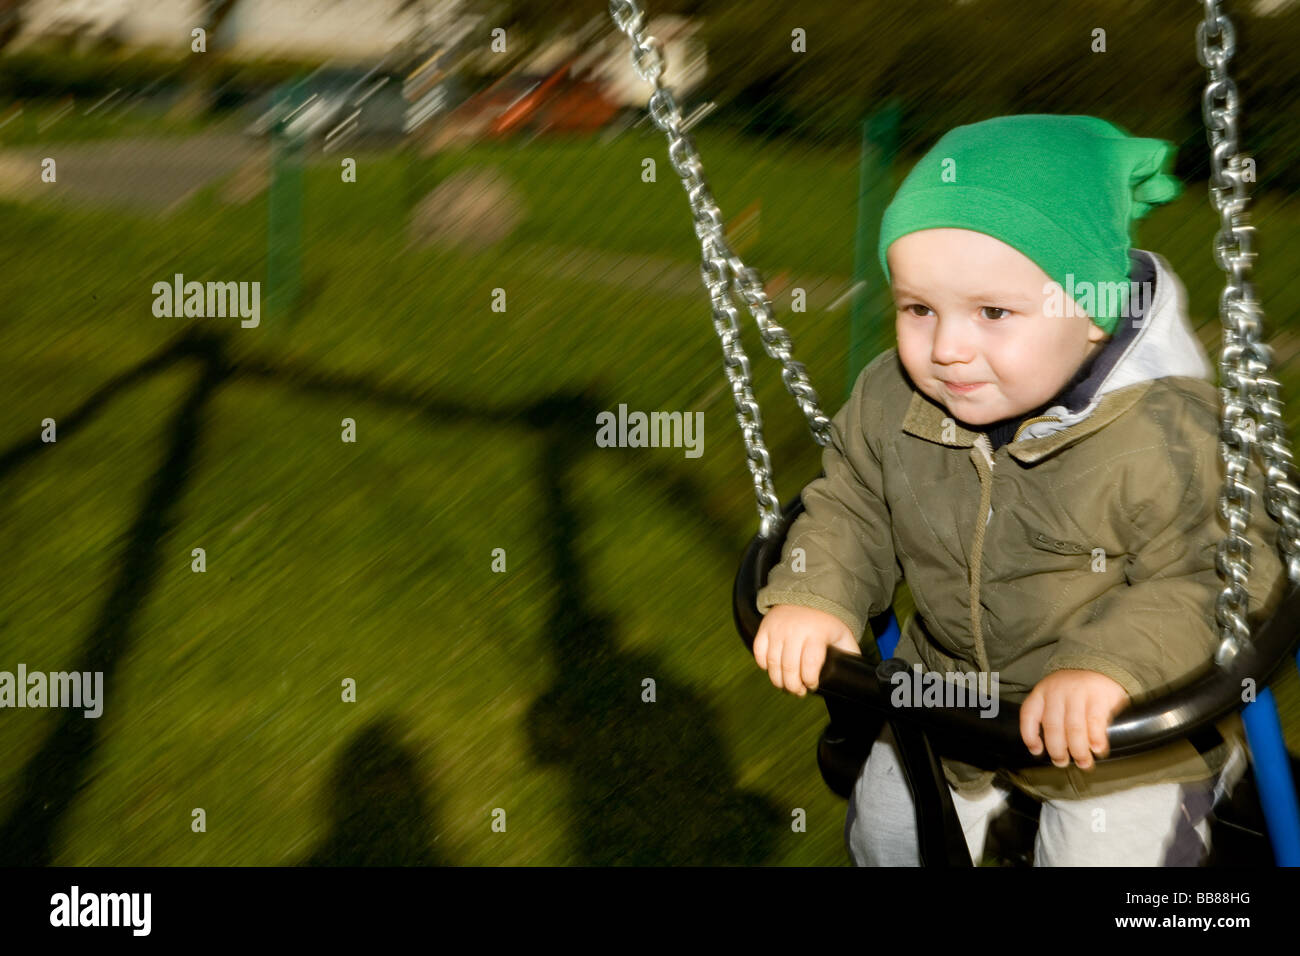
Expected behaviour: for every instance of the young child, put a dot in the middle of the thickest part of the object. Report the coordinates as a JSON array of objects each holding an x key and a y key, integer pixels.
[{"x": 1039, "y": 460}]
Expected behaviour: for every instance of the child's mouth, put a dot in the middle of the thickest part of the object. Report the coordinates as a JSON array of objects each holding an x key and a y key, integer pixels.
[{"x": 962, "y": 388}]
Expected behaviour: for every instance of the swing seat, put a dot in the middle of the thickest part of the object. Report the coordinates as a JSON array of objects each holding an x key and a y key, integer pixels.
[{"x": 858, "y": 708}]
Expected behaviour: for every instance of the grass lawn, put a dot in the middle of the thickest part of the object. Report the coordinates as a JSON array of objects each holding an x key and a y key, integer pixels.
[{"x": 482, "y": 697}]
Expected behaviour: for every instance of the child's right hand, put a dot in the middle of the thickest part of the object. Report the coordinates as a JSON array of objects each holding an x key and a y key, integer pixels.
[{"x": 791, "y": 645}]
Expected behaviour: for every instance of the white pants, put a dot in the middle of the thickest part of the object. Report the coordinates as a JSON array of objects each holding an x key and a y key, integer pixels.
[{"x": 1157, "y": 825}]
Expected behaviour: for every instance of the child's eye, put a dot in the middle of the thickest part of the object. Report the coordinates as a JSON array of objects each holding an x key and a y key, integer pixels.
[
  {"x": 992, "y": 308},
  {"x": 915, "y": 305}
]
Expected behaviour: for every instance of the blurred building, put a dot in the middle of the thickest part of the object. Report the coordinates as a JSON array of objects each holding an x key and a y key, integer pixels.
[
  {"x": 93, "y": 22},
  {"x": 349, "y": 30},
  {"x": 363, "y": 33}
]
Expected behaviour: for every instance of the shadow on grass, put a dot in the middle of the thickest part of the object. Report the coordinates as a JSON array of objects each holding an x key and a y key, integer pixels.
[
  {"x": 51, "y": 779},
  {"x": 651, "y": 783},
  {"x": 379, "y": 813}
]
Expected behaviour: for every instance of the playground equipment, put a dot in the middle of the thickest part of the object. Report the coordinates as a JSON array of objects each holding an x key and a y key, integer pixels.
[{"x": 857, "y": 690}]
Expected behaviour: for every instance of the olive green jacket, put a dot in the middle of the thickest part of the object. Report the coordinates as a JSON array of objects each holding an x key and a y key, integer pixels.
[{"x": 1088, "y": 541}]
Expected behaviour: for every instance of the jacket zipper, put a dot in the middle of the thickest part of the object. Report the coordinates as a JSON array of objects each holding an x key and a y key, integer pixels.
[
  {"x": 985, "y": 471},
  {"x": 1030, "y": 421},
  {"x": 977, "y": 546}
]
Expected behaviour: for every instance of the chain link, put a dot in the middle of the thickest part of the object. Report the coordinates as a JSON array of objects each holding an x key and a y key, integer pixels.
[
  {"x": 1252, "y": 413},
  {"x": 720, "y": 268}
]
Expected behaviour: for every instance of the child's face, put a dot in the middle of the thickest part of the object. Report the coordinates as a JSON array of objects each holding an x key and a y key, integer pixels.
[{"x": 970, "y": 309}]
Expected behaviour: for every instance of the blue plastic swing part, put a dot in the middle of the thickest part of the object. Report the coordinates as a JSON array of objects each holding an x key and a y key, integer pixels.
[
  {"x": 1272, "y": 765},
  {"x": 889, "y": 640},
  {"x": 1268, "y": 757}
]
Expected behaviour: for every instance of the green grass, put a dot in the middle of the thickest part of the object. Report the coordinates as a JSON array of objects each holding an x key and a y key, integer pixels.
[
  {"x": 373, "y": 561},
  {"x": 87, "y": 120}
]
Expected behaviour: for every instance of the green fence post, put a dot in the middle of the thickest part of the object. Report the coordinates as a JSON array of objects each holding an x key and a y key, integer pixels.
[
  {"x": 284, "y": 216},
  {"x": 868, "y": 334}
]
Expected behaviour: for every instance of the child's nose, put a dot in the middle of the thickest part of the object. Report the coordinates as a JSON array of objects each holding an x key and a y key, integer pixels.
[{"x": 952, "y": 341}]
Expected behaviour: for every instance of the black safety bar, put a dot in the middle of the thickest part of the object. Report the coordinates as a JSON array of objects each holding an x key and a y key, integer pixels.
[{"x": 1194, "y": 705}]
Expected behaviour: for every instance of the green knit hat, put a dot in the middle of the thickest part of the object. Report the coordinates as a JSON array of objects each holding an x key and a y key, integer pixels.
[{"x": 1063, "y": 190}]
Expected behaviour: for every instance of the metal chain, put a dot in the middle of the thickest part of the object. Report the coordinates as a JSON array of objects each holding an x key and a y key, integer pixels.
[
  {"x": 719, "y": 268},
  {"x": 1252, "y": 411}
]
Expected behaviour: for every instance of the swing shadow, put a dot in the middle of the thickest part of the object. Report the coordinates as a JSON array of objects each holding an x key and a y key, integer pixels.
[
  {"x": 50, "y": 781},
  {"x": 651, "y": 782}
]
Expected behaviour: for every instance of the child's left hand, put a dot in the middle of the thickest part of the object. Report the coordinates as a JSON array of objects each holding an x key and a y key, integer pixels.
[{"x": 1074, "y": 708}]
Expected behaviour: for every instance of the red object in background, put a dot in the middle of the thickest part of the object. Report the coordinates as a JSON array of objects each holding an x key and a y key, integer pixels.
[
  {"x": 581, "y": 107},
  {"x": 558, "y": 102}
]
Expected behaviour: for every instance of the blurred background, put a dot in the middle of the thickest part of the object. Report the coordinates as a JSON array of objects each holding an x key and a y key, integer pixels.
[{"x": 479, "y": 166}]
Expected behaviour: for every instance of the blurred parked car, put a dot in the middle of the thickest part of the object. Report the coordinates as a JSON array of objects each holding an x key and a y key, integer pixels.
[{"x": 337, "y": 105}]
